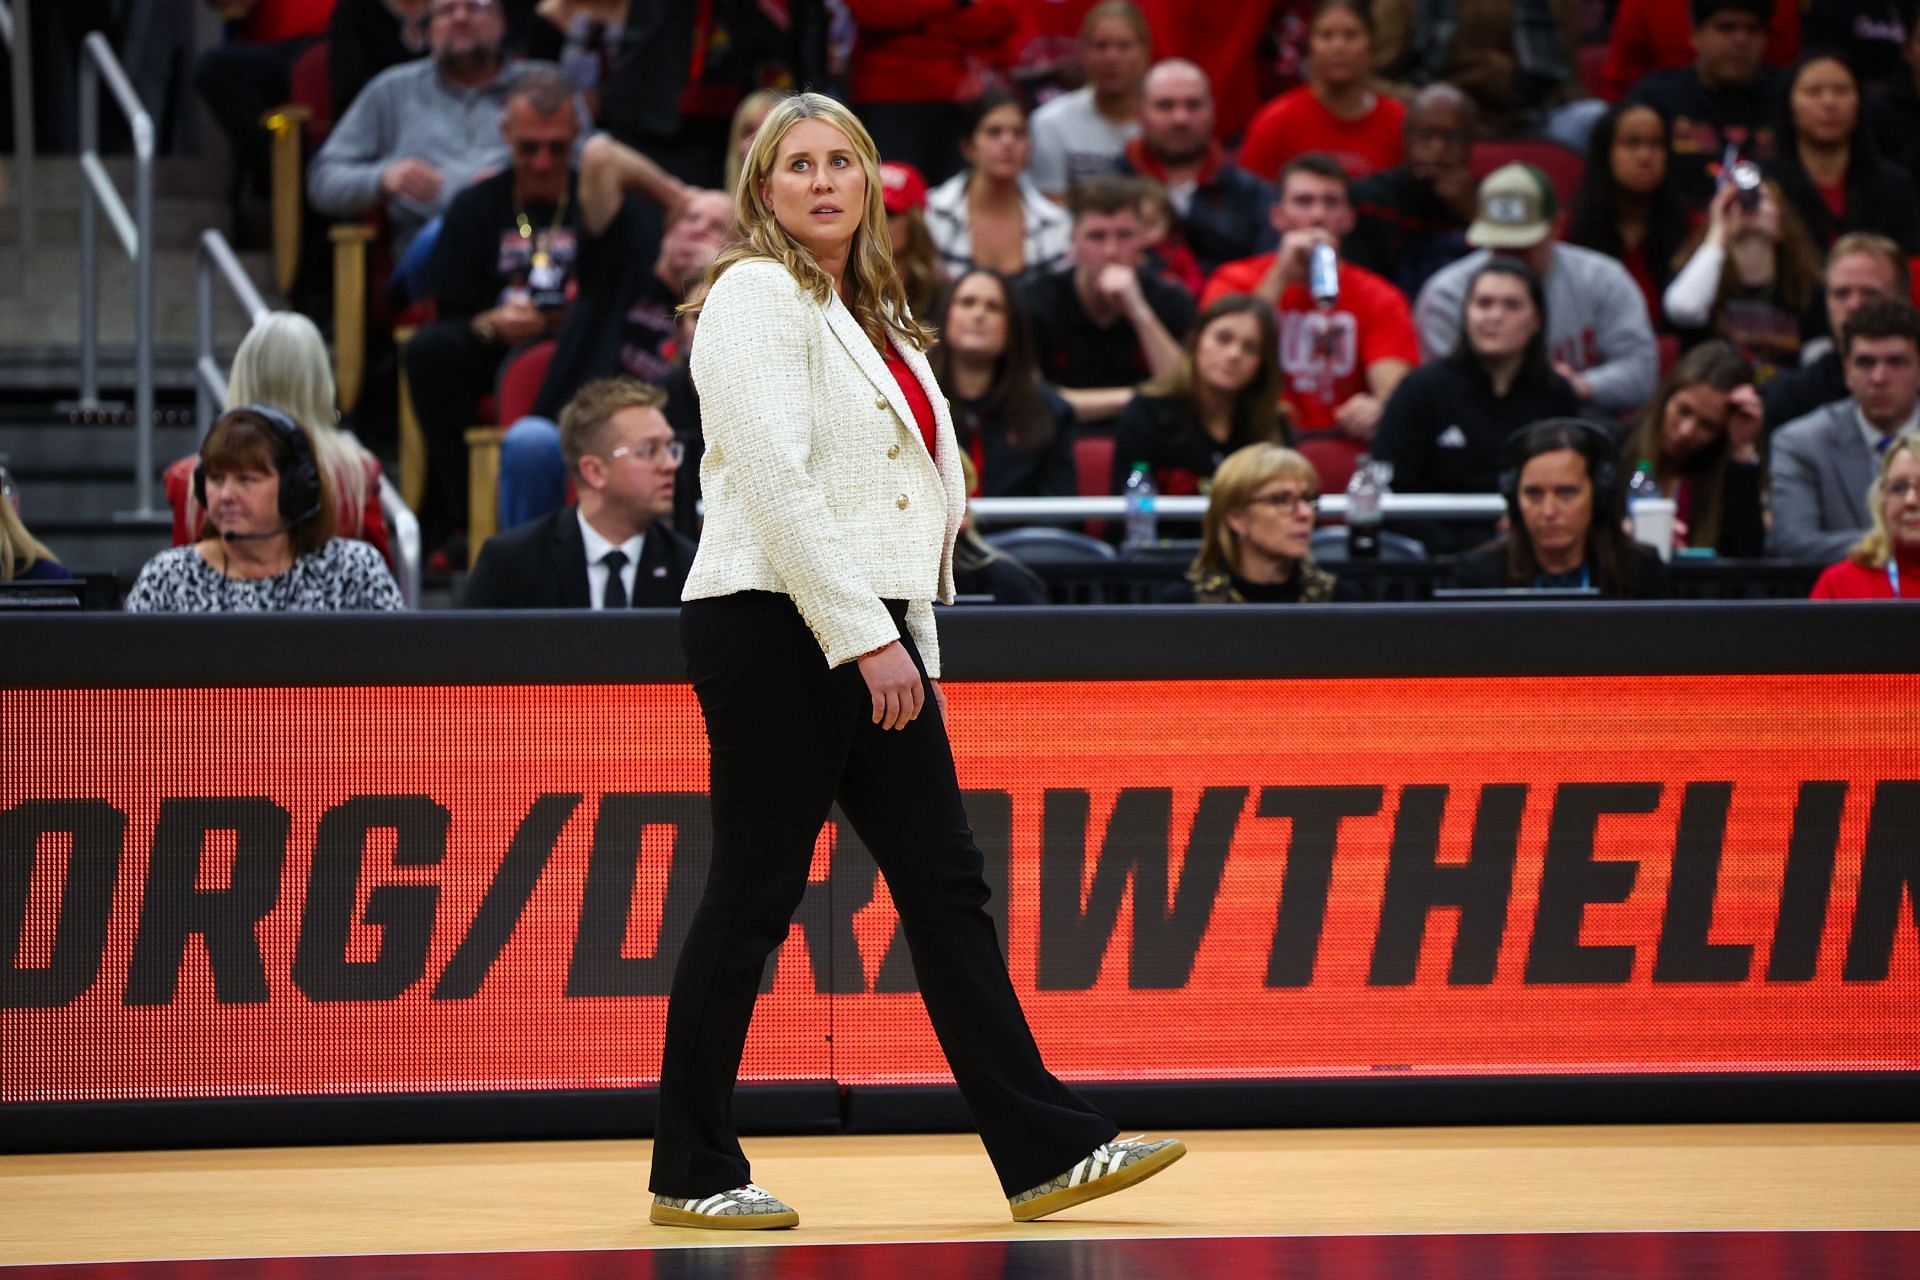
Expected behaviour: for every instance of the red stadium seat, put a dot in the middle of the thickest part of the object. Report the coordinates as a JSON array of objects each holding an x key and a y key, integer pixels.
[
  {"x": 1093, "y": 468},
  {"x": 1093, "y": 465},
  {"x": 514, "y": 392},
  {"x": 519, "y": 383},
  {"x": 1593, "y": 66},
  {"x": 1669, "y": 352},
  {"x": 312, "y": 87},
  {"x": 1913, "y": 280}
]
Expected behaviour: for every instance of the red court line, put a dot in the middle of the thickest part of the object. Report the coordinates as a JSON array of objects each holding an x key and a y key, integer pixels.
[{"x": 1710, "y": 1255}]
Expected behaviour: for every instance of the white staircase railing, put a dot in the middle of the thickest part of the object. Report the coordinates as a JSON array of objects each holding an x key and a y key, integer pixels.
[
  {"x": 14, "y": 30},
  {"x": 135, "y": 232}
]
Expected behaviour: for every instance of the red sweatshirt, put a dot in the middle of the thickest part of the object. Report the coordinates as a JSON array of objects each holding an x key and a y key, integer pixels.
[{"x": 928, "y": 50}]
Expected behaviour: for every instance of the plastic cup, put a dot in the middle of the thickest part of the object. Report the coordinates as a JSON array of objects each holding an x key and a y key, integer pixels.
[{"x": 1653, "y": 524}]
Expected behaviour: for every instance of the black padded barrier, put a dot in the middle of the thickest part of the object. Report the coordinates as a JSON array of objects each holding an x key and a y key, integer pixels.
[{"x": 1729, "y": 640}]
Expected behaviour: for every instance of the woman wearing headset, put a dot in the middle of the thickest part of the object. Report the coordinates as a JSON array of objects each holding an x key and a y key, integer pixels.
[
  {"x": 265, "y": 541},
  {"x": 834, "y": 493},
  {"x": 1565, "y": 519}
]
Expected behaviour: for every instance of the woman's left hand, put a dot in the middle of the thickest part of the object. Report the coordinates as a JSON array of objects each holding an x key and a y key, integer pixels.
[
  {"x": 1744, "y": 417},
  {"x": 939, "y": 699}
]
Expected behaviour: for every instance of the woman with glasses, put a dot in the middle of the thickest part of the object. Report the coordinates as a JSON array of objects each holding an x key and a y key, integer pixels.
[
  {"x": 1884, "y": 565},
  {"x": 1256, "y": 544},
  {"x": 612, "y": 550},
  {"x": 834, "y": 494}
]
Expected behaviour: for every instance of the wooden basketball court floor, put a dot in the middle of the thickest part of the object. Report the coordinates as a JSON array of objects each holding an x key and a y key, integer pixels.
[{"x": 1572, "y": 1203}]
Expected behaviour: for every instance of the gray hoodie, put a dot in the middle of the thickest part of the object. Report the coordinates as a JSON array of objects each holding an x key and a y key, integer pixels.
[
  {"x": 1596, "y": 322},
  {"x": 411, "y": 110}
]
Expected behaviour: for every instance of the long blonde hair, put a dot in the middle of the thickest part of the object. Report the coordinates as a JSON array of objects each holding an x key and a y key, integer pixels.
[
  {"x": 19, "y": 550},
  {"x": 1874, "y": 550},
  {"x": 283, "y": 362},
  {"x": 757, "y": 103},
  {"x": 873, "y": 291},
  {"x": 1241, "y": 475}
]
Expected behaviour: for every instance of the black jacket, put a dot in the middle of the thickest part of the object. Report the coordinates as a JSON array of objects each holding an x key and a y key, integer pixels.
[
  {"x": 1487, "y": 569},
  {"x": 1008, "y": 471},
  {"x": 1880, "y": 199},
  {"x": 1227, "y": 219},
  {"x": 1704, "y": 120},
  {"x": 477, "y": 255},
  {"x": 1445, "y": 431},
  {"x": 1795, "y": 393},
  {"x": 543, "y": 565},
  {"x": 1402, "y": 231},
  {"x": 1165, "y": 433}
]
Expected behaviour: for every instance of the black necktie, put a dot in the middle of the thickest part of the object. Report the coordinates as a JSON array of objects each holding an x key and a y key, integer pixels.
[{"x": 616, "y": 594}]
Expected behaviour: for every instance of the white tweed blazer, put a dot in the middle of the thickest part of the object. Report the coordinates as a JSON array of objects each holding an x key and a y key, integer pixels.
[{"x": 816, "y": 480}]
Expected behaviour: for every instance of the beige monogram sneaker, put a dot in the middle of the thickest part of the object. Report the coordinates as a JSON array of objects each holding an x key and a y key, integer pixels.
[
  {"x": 747, "y": 1208},
  {"x": 1110, "y": 1167}
]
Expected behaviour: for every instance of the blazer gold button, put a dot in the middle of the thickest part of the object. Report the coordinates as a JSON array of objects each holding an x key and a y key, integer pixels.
[
  {"x": 901, "y": 502},
  {"x": 893, "y": 451},
  {"x": 881, "y": 403}
]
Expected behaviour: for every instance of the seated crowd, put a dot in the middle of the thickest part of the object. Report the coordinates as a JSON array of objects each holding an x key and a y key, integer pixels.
[{"x": 1244, "y": 281}]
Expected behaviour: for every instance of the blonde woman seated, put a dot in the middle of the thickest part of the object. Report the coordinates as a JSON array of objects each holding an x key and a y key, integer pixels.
[
  {"x": 1884, "y": 565},
  {"x": 1256, "y": 544},
  {"x": 283, "y": 362}
]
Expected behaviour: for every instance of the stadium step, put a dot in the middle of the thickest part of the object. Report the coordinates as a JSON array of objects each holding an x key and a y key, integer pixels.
[
  {"x": 74, "y": 475},
  {"x": 40, "y": 303}
]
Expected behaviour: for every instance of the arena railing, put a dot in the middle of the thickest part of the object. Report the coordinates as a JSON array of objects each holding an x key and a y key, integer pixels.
[
  {"x": 1393, "y": 506},
  {"x": 15, "y": 31},
  {"x": 217, "y": 262},
  {"x": 135, "y": 231}
]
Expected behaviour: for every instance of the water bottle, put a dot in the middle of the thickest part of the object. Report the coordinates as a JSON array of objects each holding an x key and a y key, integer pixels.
[
  {"x": 1650, "y": 512},
  {"x": 1363, "y": 511},
  {"x": 1323, "y": 276},
  {"x": 1142, "y": 523}
]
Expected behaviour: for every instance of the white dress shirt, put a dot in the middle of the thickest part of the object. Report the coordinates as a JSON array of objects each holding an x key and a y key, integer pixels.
[{"x": 598, "y": 573}]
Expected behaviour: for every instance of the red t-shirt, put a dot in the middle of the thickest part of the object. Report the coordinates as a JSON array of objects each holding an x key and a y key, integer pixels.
[
  {"x": 1297, "y": 122},
  {"x": 1835, "y": 197},
  {"x": 1850, "y": 581},
  {"x": 1324, "y": 355},
  {"x": 916, "y": 395},
  {"x": 1635, "y": 261},
  {"x": 272, "y": 21}
]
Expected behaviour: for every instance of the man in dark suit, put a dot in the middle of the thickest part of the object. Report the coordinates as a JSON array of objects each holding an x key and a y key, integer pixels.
[
  {"x": 609, "y": 552},
  {"x": 1823, "y": 464}
]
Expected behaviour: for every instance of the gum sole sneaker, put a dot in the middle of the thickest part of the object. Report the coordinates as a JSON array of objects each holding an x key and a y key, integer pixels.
[
  {"x": 745, "y": 1208},
  {"x": 1110, "y": 1167}
]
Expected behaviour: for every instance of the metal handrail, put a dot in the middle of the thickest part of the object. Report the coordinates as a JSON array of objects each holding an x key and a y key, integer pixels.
[
  {"x": 98, "y": 63},
  {"x": 1399, "y": 506},
  {"x": 15, "y": 31},
  {"x": 216, "y": 261}
]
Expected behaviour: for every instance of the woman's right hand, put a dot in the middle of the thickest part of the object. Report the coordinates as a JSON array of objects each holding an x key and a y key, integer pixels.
[
  {"x": 1722, "y": 212},
  {"x": 893, "y": 680}
]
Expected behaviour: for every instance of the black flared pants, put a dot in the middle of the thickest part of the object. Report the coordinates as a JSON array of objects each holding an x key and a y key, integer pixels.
[{"x": 789, "y": 737}]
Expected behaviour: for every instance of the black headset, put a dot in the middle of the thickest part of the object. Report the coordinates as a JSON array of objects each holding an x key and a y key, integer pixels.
[
  {"x": 299, "y": 482},
  {"x": 1590, "y": 441}
]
